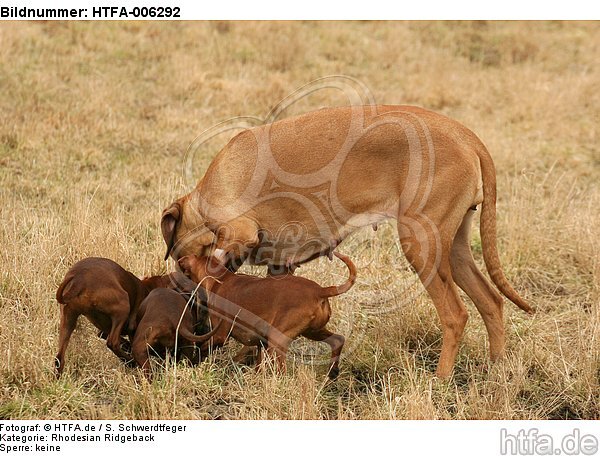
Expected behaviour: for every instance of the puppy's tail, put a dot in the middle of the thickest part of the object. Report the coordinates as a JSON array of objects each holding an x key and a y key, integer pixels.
[
  {"x": 329, "y": 292},
  {"x": 202, "y": 338},
  {"x": 60, "y": 293},
  {"x": 488, "y": 232}
]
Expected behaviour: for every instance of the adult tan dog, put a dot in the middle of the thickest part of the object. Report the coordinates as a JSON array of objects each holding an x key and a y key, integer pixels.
[{"x": 284, "y": 193}]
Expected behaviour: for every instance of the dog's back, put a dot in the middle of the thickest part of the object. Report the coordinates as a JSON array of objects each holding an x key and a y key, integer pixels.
[
  {"x": 106, "y": 294},
  {"x": 290, "y": 304},
  {"x": 288, "y": 291},
  {"x": 91, "y": 276},
  {"x": 163, "y": 307}
]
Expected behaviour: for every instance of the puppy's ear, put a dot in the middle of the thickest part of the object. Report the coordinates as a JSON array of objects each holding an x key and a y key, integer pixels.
[
  {"x": 185, "y": 264},
  {"x": 216, "y": 266},
  {"x": 202, "y": 295},
  {"x": 168, "y": 225}
]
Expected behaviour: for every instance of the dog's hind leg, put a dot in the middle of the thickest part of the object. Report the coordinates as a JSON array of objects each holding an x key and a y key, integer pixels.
[
  {"x": 467, "y": 276},
  {"x": 276, "y": 350},
  {"x": 335, "y": 341},
  {"x": 427, "y": 248},
  {"x": 119, "y": 317},
  {"x": 68, "y": 320},
  {"x": 139, "y": 350}
]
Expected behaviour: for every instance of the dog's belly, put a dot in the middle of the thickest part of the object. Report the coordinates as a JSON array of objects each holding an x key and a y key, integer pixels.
[
  {"x": 312, "y": 180},
  {"x": 246, "y": 327},
  {"x": 294, "y": 248}
]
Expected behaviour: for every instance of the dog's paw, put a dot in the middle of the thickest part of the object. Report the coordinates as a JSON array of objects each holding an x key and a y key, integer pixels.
[{"x": 334, "y": 372}]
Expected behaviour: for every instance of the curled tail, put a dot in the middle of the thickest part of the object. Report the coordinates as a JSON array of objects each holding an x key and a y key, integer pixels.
[
  {"x": 335, "y": 290},
  {"x": 61, "y": 289},
  {"x": 183, "y": 332},
  {"x": 488, "y": 232}
]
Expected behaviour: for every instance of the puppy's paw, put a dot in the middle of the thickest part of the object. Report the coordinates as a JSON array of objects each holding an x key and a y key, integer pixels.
[{"x": 334, "y": 372}]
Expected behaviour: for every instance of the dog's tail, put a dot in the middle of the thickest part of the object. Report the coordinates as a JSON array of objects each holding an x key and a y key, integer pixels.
[
  {"x": 329, "y": 292},
  {"x": 488, "y": 232},
  {"x": 202, "y": 338},
  {"x": 60, "y": 293}
]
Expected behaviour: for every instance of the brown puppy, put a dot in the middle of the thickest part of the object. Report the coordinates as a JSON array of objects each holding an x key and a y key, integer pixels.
[
  {"x": 165, "y": 322},
  {"x": 313, "y": 179},
  {"x": 268, "y": 312},
  {"x": 108, "y": 296}
]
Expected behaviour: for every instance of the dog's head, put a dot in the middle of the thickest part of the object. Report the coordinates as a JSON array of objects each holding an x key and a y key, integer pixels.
[
  {"x": 184, "y": 229},
  {"x": 175, "y": 281},
  {"x": 205, "y": 270},
  {"x": 157, "y": 281}
]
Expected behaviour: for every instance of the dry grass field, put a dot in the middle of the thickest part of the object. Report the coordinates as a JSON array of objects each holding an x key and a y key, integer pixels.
[{"x": 95, "y": 120}]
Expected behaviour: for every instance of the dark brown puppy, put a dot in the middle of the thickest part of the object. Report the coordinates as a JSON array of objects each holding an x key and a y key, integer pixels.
[
  {"x": 268, "y": 312},
  {"x": 164, "y": 322},
  {"x": 108, "y": 296}
]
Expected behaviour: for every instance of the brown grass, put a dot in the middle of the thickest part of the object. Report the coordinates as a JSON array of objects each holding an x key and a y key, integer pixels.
[{"x": 94, "y": 122}]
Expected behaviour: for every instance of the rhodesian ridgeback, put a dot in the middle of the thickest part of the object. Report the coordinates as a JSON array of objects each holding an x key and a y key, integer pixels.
[
  {"x": 109, "y": 297},
  {"x": 268, "y": 313},
  {"x": 284, "y": 193},
  {"x": 165, "y": 322}
]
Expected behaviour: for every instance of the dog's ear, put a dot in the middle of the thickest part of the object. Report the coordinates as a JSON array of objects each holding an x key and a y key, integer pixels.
[
  {"x": 202, "y": 295},
  {"x": 216, "y": 266},
  {"x": 168, "y": 225},
  {"x": 185, "y": 263}
]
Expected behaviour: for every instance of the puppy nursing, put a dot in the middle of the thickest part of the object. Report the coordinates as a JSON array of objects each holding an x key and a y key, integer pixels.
[
  {"x": 270, "y": 312},
  {"x": 153, "y": 313},
  {"x": 165, "y": 321},
  {"x": 109, "y": 297}
]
